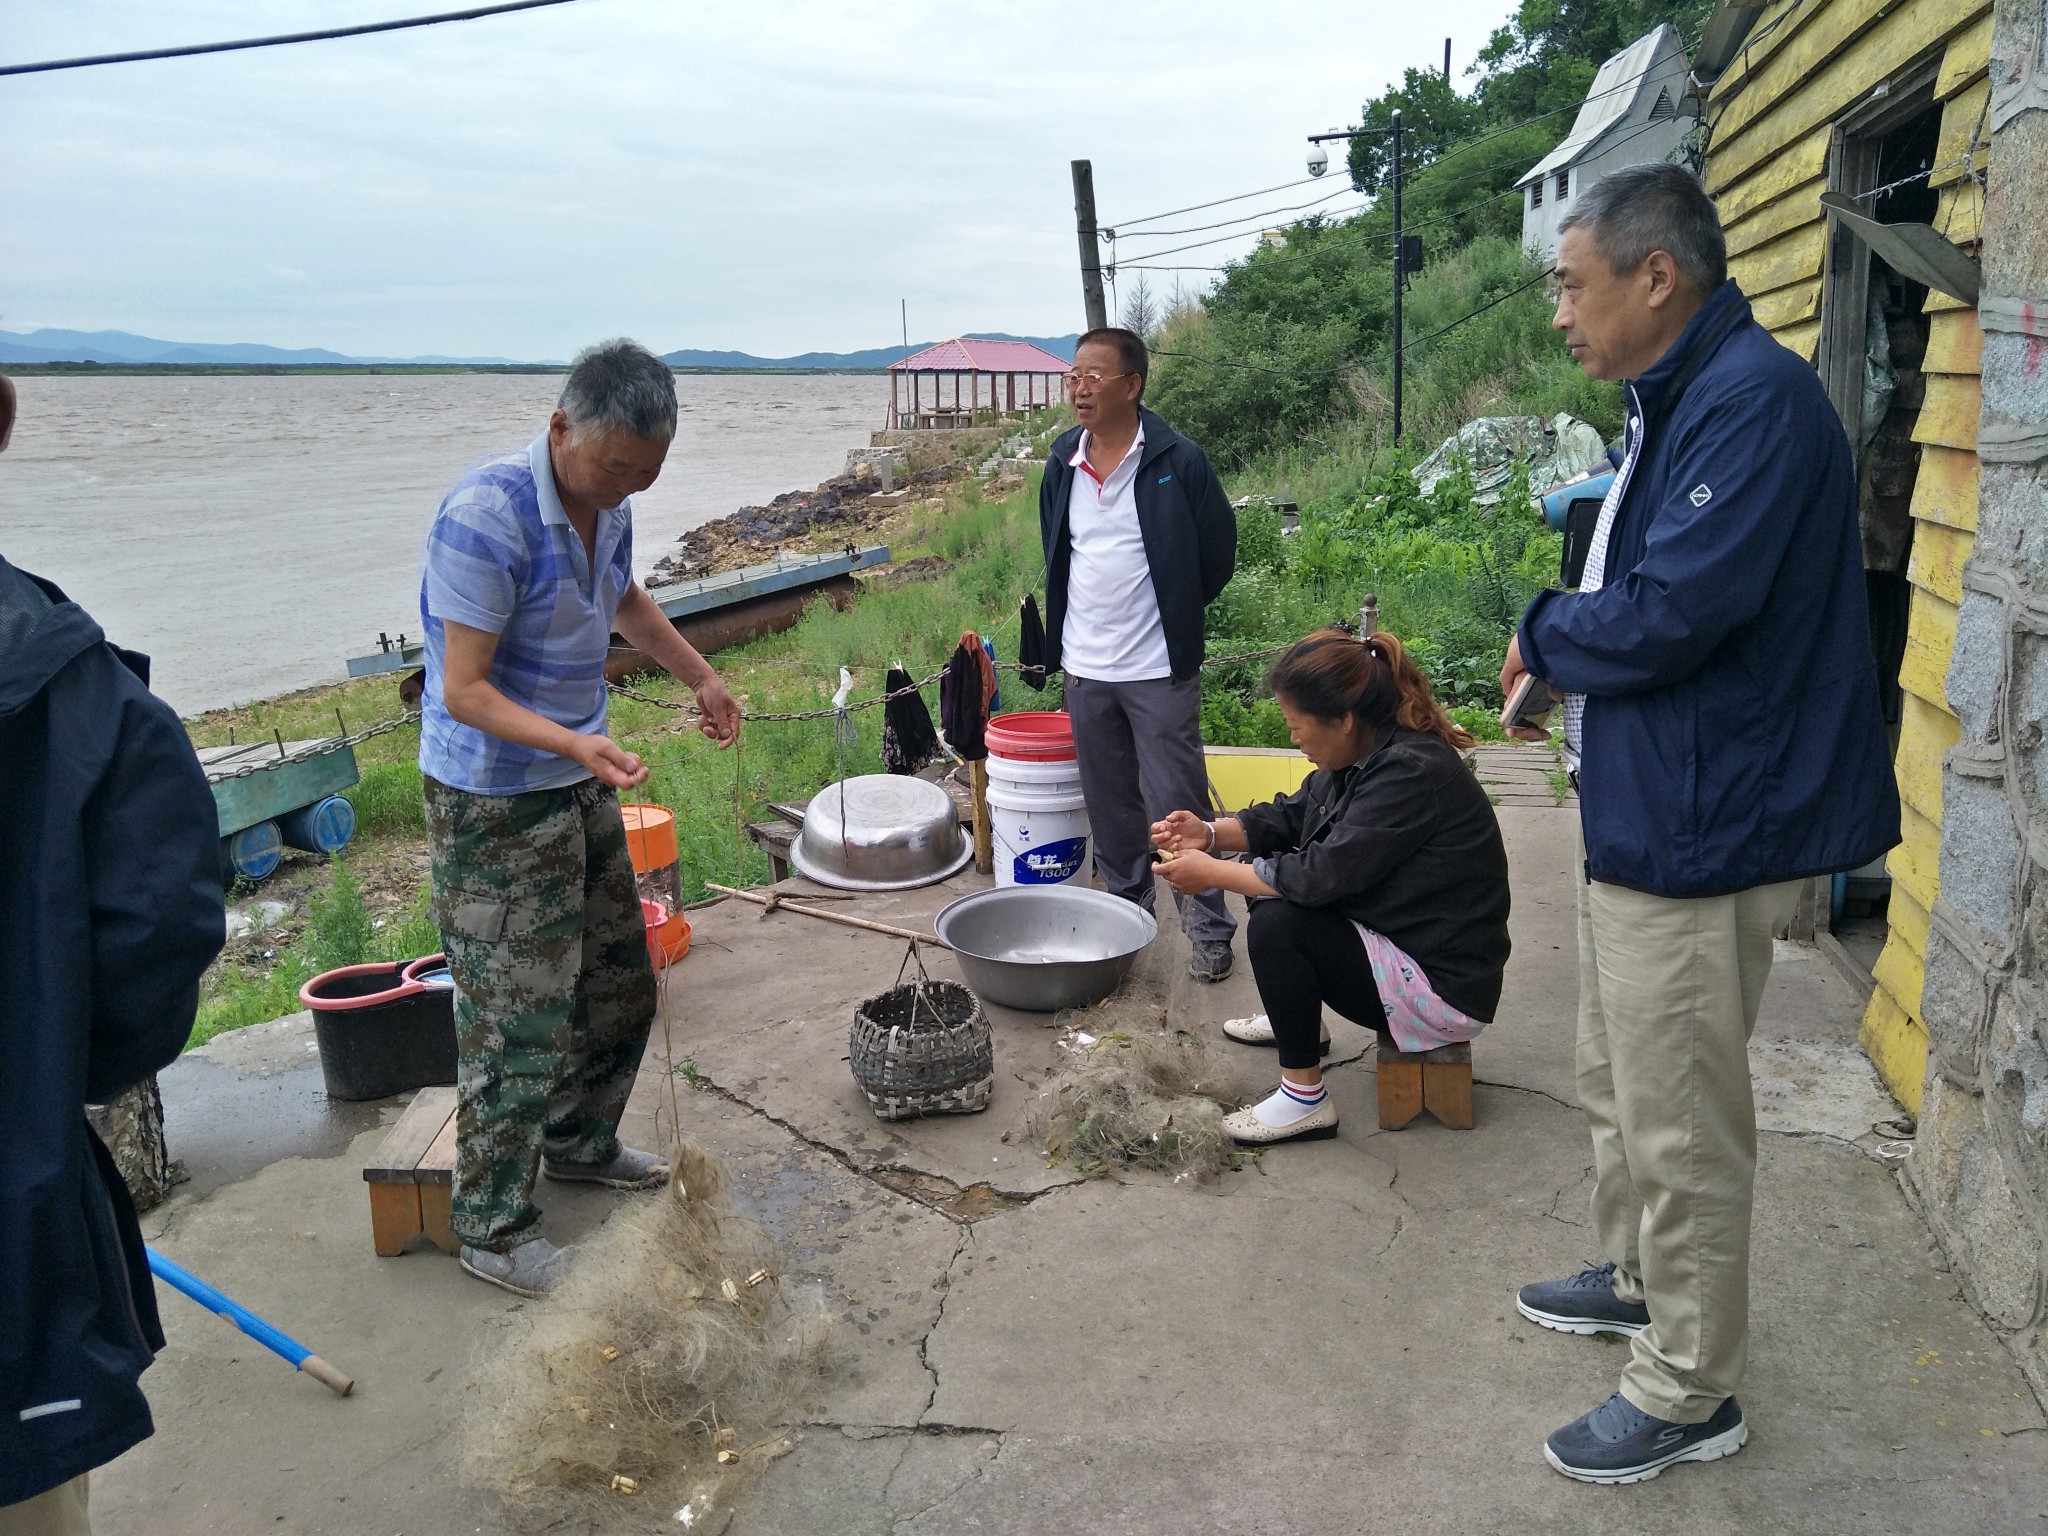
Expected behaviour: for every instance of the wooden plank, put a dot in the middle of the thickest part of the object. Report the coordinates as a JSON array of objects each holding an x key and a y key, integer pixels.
[
  {"x": 1962, "y": 133},
  {"x": 1916, "y": 862},
  {"x": 1400, "y": 1091},
  {"x": 1955, "y": 343},
  {"x": 1909, "y": 920},
  {"x": 394, "y": 1217},
  {"x": 1795, "y": 257},
  {"x": 1925, "y": 735},
  {"x": 1803, "y": 338},
  {"x": 437, "y": 1164},
  {"x": 1900, "y": 971},
  {"x": 1945, "y": 487},
  {"x": 399, "y": 1153},
  {"x": 437, "y": 1215},
  {"x": 1799, "y": 164},
  {"x": 1831, "y": 66},
  {"x": 1938, "y": 302},
  {"x": 1447, "y": 1092},
  {"x": 1960, "y": 214},
  {"x": 1965, "y": 60},
  {"x": 1930, "y": 641},
  {"x": 1938, "y": 556},
  {"x": 1788, "y": 306},
  {"x": 1770, "y": 32},
  {"x": 1896, "y": 1043},
  {"x": 1948, "y": 417},
  {"x": 1765, "y": 222}
]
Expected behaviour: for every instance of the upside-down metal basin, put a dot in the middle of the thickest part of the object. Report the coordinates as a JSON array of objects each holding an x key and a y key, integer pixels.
[
  {"x": 880, "y": 832},
  {"x": 1043, "y": 948}
]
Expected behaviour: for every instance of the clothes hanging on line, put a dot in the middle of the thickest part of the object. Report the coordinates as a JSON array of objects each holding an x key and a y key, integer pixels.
[
  {"x": 909, "y": 740},
  {"x": 965, "y": 689},
  {"x": 1031, "y": 645}
]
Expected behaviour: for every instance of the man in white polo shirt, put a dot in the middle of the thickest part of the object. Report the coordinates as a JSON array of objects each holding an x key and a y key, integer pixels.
[{"x": 1139, "y": 539}]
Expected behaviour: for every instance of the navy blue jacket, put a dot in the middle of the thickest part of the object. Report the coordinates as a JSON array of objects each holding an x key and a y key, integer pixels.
[
  {"x": 1189, "y": 530},
  {"x": 110, "y": 908},
  {"x": 1733, "y": 735}
]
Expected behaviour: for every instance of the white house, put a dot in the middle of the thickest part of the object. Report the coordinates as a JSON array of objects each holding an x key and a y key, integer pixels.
[{"x": 1629, "y": 116}]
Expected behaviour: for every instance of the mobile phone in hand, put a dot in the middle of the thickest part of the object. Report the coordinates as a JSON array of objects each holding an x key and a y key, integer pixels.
[{"x": 1529, "y": 706}]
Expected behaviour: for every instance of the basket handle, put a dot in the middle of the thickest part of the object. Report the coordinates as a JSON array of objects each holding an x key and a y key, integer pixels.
[{"x": 917, "y": 995}]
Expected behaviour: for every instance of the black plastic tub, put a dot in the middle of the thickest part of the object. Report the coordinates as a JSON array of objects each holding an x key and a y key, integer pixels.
[{"x": 381, "y": 1029}]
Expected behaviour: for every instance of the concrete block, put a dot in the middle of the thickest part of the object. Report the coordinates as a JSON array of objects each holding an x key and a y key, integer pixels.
[
  {"x": 1977, "y": 665},
  {"x": 2015, "y": 382},
  {"x": 1952, "y": 1006},
  {"x": 2012, "y": 530},
  {"x": 2016, "y": 1068},
  {"x": 1970, "y": 1200},
  {"x": 2027, "y": 710},
  {"x": 1980, "y": 853}
]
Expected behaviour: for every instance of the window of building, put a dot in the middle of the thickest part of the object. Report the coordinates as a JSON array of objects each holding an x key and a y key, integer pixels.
[
  {"x": 1564, "y": 185},
  {"x": 1536, "y": 193},
  {"x": 1662, "y": 110}
]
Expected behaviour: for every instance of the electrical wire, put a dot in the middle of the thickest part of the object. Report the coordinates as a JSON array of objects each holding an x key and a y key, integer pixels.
[
  {"x": 1243, "y": 218},
  {"x": 1195, "y": 245},
  {"x": 1171, "y": 213},
  {"x": 279, "y": 40}
]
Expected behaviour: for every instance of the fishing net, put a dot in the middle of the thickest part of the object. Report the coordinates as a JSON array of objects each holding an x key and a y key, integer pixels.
[{"x": 656, "y": 1378}]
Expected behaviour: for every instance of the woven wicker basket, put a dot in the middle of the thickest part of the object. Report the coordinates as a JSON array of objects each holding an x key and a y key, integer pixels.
[{"x": 923, "y": 1048}]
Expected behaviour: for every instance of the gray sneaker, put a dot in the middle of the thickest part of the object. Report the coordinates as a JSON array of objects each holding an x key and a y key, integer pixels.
[
  {"x": 631, "y": 1169},
  {"x": 1619, "y": 1443},
  {"x": 1211, "y": 960},
  {"x": 1582, "y": 1303},
  {"x": 532, "y": 1268}
]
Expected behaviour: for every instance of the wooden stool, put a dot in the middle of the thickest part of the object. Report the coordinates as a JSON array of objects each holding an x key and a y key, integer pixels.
[
  {"x": 1439, "y": 1081},
  {"x": 412, "y": 1179}
]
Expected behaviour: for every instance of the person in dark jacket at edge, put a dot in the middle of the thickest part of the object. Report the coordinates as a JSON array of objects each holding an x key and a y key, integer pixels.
[
  {"x": 1723, "y": 724},
  {"x": 1380, "y": 887},
  {"x": 1139, "y": 540},
  {"x": 110, "y": 908}
]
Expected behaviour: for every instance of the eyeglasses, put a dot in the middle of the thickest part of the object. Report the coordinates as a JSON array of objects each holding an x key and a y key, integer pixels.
[{"x": 1093, "y": 378}]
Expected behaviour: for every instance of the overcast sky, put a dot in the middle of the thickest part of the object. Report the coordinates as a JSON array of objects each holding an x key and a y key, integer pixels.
[{"x": 770, "y": 176}]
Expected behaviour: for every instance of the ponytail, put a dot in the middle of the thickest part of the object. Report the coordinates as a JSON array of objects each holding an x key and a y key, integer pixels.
[{"x": 1333, "y": 674}]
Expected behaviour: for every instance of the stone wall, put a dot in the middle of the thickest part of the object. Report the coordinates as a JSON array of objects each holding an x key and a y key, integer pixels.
[{"x": 1980, "y": 1173}]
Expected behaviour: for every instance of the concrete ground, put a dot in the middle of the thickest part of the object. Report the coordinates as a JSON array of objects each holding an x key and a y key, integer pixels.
[{"x": 1324, "y": 1342}]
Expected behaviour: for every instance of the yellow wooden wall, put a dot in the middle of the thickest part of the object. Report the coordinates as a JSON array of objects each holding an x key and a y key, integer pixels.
[{"x": 1773, "y": 117}]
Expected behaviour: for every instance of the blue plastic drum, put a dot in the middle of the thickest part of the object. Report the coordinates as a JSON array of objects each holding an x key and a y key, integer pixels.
[
  {"x": 253, "y": 852},
  {"x": 325, "y": 826}
]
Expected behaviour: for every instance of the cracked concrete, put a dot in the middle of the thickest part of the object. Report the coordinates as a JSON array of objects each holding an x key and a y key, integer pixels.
[{"x": 1022, "y": 1351}]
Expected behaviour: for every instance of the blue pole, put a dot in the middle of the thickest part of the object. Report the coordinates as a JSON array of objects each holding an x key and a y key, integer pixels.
[{"x": 255, "y": 1327}]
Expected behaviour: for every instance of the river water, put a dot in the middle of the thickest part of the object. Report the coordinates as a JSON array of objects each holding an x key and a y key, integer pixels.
[{"x": 249, "y": 532}]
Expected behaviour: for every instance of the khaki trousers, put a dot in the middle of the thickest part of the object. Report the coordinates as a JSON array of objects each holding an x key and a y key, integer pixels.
[
  {"x": 58, "y": 1512},
  {"x": 1668, "y": 995}
]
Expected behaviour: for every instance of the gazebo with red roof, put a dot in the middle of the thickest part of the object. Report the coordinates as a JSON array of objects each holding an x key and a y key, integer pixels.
[{"x": 1002, "y": 362}]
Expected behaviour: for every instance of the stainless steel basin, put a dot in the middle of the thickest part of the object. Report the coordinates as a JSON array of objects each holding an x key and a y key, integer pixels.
[
  {"x": 880, "y": 832},
  {"x": 1045, "y": 948}
]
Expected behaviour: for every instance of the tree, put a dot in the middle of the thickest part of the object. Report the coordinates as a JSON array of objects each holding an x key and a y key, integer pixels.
[
  {"x": 1433, "y": 117},
  {"x": 1142, "y": 312}
]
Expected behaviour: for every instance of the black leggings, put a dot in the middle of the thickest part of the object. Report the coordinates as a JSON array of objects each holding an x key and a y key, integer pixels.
[{"x": 1302, "y": 958}]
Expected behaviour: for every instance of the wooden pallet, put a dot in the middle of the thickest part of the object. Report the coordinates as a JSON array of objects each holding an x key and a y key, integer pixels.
[
  {"x": 412, "y": 1177},
  {"x": 1439, "y": 1081}
]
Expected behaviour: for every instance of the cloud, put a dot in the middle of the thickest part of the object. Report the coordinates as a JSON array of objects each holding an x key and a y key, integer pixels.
[{"x": 290, "y": 275}]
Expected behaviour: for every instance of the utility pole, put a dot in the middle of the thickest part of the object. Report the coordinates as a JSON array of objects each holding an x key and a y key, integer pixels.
[
  {"x": 1400, "y": 250},
  {"x": 1091, "y": 245},
  {"x": 1447, "y": 61}
]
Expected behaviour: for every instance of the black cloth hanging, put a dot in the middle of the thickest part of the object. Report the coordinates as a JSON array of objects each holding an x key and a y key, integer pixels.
[
  {"x": 963, "y": 702},
  {"x": 908, "y": 739},
  {"x": 1031, "y": 646}
]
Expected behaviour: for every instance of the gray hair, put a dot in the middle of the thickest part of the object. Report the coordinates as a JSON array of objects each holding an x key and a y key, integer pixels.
[
  {"x": 620, "y": 386},
  {"x": 1638, "y": 209}
]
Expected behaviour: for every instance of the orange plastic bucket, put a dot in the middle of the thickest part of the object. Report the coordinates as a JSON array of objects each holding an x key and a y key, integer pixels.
[
  {"x": 650, "y": 836},
  {"x": 668, "y": 934}
]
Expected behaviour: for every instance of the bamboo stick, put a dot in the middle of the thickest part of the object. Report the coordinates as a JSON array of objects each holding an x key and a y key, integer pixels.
[
  {"x": 831, "y": 917},
  {"x": 984, "y": 842}
]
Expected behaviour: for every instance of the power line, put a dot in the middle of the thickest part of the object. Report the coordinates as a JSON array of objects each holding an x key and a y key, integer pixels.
[
  {"x": 1243, "y": 218},
  {"x": 1365, "y": 362},
  {"x": 278, "y": 41},
  {"x": 1153, "y": 218},
  {"x": 1194, "y": 245}
]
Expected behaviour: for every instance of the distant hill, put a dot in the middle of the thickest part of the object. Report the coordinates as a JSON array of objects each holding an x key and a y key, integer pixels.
[
  {"x": 875, "y": 357},
  {"x": 120, "y": 348},
  {"x": 123, "y": 349}
]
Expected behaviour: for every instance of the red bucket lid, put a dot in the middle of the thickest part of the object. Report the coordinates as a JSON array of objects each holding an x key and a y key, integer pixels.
[{"x": 1032, "y": 736}]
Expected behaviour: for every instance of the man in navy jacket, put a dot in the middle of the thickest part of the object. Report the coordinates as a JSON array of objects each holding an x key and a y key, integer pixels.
[
  {"x": 110, "y": 908},
  {"x": 1139, "y": 540},
  {"x": 1723, "y": 723}
]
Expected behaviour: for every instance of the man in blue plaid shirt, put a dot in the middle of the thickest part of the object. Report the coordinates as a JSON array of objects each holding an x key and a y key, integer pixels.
[{"x": 529, "y": 569}]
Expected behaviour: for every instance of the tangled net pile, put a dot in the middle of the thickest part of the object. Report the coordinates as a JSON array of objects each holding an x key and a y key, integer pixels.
[
  {"x": 656, "y": 1377},
  {"x": 1139, "y": 1093}
]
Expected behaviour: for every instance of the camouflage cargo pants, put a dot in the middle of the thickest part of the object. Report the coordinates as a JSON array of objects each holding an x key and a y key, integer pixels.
[{"x": 554, "y": 994}]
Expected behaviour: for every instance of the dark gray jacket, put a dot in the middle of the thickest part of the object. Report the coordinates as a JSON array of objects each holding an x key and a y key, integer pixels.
[
  {"x": 1406, "y": 843},
  {"x": 1189, "y": 529}
]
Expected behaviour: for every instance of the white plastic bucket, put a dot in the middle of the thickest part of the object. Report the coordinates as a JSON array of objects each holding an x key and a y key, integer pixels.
[{"x": 1040, "y": 835}]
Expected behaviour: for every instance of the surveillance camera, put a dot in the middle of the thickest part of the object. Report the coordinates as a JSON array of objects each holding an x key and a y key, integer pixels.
[{"x": 1318, "y": 160}]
